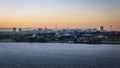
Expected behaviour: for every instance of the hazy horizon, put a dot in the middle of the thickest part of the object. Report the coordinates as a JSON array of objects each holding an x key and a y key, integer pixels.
[{"x": 63, "y": 13}]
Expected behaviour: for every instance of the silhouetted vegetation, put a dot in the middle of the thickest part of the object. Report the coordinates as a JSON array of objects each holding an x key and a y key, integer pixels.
[{"x": 76, "y": 37}]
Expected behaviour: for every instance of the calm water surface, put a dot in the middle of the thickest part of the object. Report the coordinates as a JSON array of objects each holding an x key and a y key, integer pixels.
[{"x": 59, "y": 55}]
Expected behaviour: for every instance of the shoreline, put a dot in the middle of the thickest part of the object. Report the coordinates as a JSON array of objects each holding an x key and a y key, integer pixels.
[{"x": 63, "y": 42}]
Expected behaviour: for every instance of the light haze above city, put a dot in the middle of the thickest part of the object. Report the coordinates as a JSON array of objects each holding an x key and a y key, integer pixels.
[{"x": 60, "y": 13}]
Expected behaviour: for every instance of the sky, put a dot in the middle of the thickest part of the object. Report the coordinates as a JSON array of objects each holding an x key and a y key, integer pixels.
[{"x": 63, "y": 13}]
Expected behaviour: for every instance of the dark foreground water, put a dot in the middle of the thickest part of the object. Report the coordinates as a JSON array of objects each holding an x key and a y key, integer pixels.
[{"x": 58, "y": 55}]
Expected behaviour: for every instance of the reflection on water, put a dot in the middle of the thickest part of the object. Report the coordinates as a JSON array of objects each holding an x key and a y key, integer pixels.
[{"x": 58, "y": 55}]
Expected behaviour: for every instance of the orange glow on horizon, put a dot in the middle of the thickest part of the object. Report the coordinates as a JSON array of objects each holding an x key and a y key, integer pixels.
[
  {"x": 72, "y": 14},
  {"x": 71, "y": 21}
]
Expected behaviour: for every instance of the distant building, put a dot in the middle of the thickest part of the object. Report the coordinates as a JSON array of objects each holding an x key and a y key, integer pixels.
[
  {"x": 101, "y": 28},
  {"x": 46, "y": 28},
  {"x": 111, "y": 27},
  {"x": 14, "y": 29},
  {"x": 20, "y": 29},
  {"x": 40, "y": 29}
]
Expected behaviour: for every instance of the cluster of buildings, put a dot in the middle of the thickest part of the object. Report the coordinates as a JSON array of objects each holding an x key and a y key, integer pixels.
[
  {"x": 45, "y": 30},
  {"x": 90, "y": 35}
]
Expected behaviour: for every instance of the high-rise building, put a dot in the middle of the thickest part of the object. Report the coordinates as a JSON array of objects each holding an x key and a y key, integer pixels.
[
  {"x": 111, "y": 27},
  {"x": 101, "y": 28}
]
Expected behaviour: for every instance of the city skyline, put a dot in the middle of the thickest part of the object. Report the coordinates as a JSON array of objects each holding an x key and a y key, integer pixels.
[{"x": 63, "y": 13}]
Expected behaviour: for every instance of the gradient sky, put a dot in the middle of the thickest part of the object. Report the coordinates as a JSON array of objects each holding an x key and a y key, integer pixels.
[{"x": 63, "y": 13}]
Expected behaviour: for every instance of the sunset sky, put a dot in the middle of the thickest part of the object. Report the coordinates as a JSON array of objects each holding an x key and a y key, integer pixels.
[{"x": 63, "y": 13}]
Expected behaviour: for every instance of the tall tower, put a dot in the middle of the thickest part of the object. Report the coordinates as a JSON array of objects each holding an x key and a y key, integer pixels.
[
  {"x": 111, "y": 27},
  {"x": 101, "y": 28}
]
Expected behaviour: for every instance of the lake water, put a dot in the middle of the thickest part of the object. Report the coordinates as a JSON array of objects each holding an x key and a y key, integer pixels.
[{"x": 59, "y": 55}]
